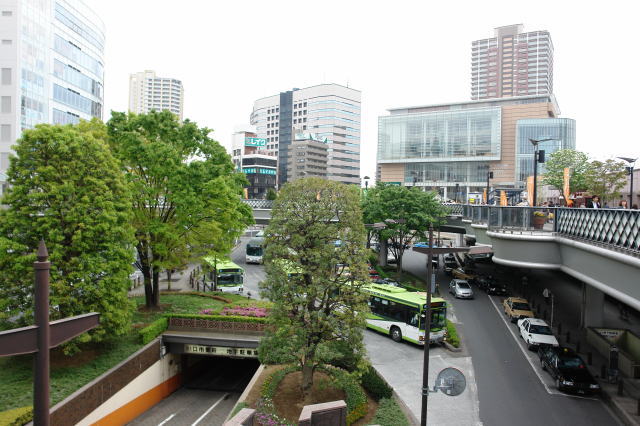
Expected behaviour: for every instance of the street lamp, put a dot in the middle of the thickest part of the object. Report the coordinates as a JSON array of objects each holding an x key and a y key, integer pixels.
[
  {"x": 536, "y": 160},
  {"x": 631, "y": 162}
]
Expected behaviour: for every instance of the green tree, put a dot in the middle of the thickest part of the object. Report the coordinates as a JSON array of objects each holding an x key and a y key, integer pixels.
[
  {"x": 67, "y": 188},
  {"x": 186, "y": 194},
  {"x": 313, "y": 282},
  {"x": 606, "y": 179},
  {"x": 406, "y": 212},
  {"x": 577, "y": 161},
  {"x": 271, "y": 194}
]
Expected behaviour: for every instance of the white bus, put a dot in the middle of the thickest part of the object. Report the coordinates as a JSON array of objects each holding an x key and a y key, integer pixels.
[{"x": 254, "y": 250}]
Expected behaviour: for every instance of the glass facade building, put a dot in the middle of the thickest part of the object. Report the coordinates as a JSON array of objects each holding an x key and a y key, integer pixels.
[
  {"x": 561, "y": 131},
  {"x": 52, "y": 67}
]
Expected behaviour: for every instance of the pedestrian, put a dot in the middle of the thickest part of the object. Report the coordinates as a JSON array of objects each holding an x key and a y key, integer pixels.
[
  {"x": 594, "y": 203},
  {"x": 546, "y": 294},
  {"x": 623, "y": 204},
  {"x": 635, "y": 207}
]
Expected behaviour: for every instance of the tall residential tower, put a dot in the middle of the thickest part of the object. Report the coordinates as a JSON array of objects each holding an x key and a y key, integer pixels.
[
  {"x": 512, "y": 63},
  {"x": 327, "y": 112},
  {"x": 148, "y": 91},
  {"x": 51, "y": 67}
]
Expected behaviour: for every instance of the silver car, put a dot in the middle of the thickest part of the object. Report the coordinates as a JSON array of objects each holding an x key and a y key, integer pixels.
[{"x": 460, "y": 289}]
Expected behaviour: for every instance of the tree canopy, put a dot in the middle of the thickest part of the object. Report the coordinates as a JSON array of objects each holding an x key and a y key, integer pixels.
[
  {"x": 606, "y": 178},
  {"x": 186, "y": 194},
  {"x": 68, "y": 189},
  {"x": 316, "y": 263},
  {"x": 406, "y": 212},
  {"x": 577, "y": 161}
]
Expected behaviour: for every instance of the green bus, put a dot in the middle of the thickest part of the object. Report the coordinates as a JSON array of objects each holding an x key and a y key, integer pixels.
[
  {"x": 401, "y": 313},
  {"x": 230, "y": 277}
]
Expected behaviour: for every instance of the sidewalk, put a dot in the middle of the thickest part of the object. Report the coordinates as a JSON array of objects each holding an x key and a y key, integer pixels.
[
  {"x": 179, "y": 282},
  {"x": 572, "y": 335}
]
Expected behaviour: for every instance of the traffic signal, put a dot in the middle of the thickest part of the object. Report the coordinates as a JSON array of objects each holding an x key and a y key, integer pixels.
[
  {"x": 541, "y": 156},
  {"x": 490, "y": 175}
]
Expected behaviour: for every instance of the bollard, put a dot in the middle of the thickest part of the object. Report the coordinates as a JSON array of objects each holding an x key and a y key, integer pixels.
[
  {"x": 578, "y": 346},
  {"x": 559, "y": 328},
  {"x": 589, "y": 358},
  {"x": 620, "y": 387},
  {"x": 568, "y": 337},
  {"x": 603, "y": 372}
]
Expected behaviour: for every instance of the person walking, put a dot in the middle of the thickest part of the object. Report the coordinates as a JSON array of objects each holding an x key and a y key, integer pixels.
[
  {"x": 594, "y": 203},
  {"x": 623, "y": 204},
  {"x": 546, "y": 294}
]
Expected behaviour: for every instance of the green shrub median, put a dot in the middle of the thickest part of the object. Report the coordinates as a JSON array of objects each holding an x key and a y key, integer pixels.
[{"x": 452, "y": 335}]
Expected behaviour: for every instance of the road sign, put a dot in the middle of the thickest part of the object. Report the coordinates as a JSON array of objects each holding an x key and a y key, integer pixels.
[{"x": 259, "y": 142}]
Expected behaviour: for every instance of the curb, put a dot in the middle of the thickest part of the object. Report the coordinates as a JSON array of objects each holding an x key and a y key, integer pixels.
[
  {"x": 619, "y": 411},
  {"x": 451, "y": 348}
]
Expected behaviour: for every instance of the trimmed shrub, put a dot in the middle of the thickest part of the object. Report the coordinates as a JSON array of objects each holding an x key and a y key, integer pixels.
[
  {"x": 356, "y": 399},
  {"x": 228, "y": 318},
  {"x": 16, "y": 416},
  {"x": 197, "y": 293},
  {"x": 265, "y": 410},
  {"x": 373, "y": 258},
  {"x": 452, "y": 335},
  {"x": 375, "y": 385},
  {"x": 153, "y": 330},
  {"x": 389, "y": 414}
]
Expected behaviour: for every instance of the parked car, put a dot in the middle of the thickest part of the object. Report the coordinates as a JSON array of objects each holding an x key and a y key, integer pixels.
[
  {"x": 516, "y": 308},
  {"x": 461, "y": 274},
  {"x": 491, "y": 286},
  {"x": 568, "y": 370},
  {"x": 535, "y": 332},
  {"x": 477, "y": 257},
  {"x": 460, "y": 289}
]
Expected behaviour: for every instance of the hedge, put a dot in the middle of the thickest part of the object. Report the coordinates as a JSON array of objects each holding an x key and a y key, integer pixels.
[
  {"x": 356, "y": 399},
  {"x": 197, "y": 293},
  {"x": 389, "y": 414},
  {"x": 16, "y": 416},
  {"x": 375, "y": 385},
  {"x": 153, "y": 330},
  {"x": 452, "y": 335},
  {"x": 228, "y": 318}
]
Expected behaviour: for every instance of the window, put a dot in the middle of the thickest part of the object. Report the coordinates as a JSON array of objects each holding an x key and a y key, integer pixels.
[
  {"x": 5, "y": 132},
  {"x": 5, "y": 77},
  {"x": 5, "y": 104}
]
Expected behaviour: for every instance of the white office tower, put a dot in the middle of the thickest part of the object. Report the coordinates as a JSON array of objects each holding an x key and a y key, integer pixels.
[{"x": 51, "y": 67}]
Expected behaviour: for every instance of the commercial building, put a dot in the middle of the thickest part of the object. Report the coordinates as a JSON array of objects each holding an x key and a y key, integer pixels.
[
  {"x": 149, "y": 92},
  {"x": 447, "y": 146},
  {"x": 512, "y": 63},
  {"x": 250, "y": 158},
  {"x": 51, "y": 67},
  {"x": 308, "y": 157},
  {"x": 328, "y": 111}
]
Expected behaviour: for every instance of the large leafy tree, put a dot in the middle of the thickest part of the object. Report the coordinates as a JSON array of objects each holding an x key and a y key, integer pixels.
[
  {"x": 577, "y": 161},
  {"x": 68, "y": 189},
  {"x": 186, "y": 194},
  {"x": 606, "y": 178},
  {"x": 313, "y": 282},
  {"x": 405, "y": 212}
]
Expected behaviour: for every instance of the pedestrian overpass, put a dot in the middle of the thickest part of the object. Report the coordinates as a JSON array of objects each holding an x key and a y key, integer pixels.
[{"x": 600, "y": 247}]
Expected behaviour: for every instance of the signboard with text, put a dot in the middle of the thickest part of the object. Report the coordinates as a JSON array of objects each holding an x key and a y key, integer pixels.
[
  {"x": 259, "y": 142},
  {"x": 221, "y": 351}
]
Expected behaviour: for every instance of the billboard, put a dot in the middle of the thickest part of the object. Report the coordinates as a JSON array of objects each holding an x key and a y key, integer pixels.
[{"x": 259, "y": 142}]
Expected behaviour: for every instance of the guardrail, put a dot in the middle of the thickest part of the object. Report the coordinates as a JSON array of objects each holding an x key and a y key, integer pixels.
[
  {"x": 259, "y": 204},
  {"x": 618, "y": 228}
]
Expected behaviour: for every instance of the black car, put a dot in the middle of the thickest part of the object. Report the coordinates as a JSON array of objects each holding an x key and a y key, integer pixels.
[
  {"x": 568, "y": 370},
  {"x": 497, "y": 289}
]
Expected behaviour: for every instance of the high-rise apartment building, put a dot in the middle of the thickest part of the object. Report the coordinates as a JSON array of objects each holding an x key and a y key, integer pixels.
[
  {"x": 51, "y": 67},
  {"x": 512, "y": 63},
  {"x": 149, "y": 92},
  {"x": 328, "y": 111}
]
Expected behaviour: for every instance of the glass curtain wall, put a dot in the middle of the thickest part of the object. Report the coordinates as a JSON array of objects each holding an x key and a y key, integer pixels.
[{"x": 562, "y": 131}]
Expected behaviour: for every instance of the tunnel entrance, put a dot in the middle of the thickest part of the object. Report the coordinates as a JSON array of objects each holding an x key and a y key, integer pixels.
[{"x": 217, "y": 373}]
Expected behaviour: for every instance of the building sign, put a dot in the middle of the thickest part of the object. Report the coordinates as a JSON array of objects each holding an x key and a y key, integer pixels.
[
  {"x": 310, "y": 137},
  {"x": 259, "y": 142},
  {"x": 254, "y": 170},
  {"x": 221, "y": 351}
]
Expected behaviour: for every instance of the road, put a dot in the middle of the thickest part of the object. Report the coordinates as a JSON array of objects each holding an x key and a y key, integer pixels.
[
  {"x": 511, "y": 386},
  {"x": 253, "y": 274}
]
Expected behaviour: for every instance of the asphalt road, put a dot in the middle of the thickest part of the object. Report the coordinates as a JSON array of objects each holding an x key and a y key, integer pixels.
[
  {"x": 511, "y": 386},
  {"x": 253, "y": 274}
]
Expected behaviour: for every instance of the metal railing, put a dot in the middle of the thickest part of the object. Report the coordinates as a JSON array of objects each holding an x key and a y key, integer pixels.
[
  {"x": 259, "y": 204},
  {"x": 615, "y": 228},
  {"x": 454, "y": 208}
]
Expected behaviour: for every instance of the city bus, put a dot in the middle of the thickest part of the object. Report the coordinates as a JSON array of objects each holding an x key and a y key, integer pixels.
[
  {"x": 254, "y": 250},
  {"x": 400, "y": 313},
  {"x": 230, "y": 277}
]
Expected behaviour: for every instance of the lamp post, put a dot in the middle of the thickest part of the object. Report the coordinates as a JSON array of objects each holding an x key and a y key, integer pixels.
[
  {"x": 631, "y": 162},
  {"x": 536, "y": 154}
]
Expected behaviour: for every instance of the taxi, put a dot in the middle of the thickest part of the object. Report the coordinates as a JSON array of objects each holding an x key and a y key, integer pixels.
[{"x": 517, "y": 308}]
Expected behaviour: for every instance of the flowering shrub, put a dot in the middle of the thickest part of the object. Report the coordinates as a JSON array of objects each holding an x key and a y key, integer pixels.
[
  {"x": 207, "y": 312},
  {"x": 245, "y": 311}
]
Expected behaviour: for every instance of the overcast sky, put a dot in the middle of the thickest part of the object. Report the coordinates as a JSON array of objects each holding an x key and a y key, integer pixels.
[{"x": 230, "y": 53}]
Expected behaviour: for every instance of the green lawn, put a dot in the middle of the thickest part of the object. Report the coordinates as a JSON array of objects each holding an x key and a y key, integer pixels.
[{"x": 16, "y": 380}]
